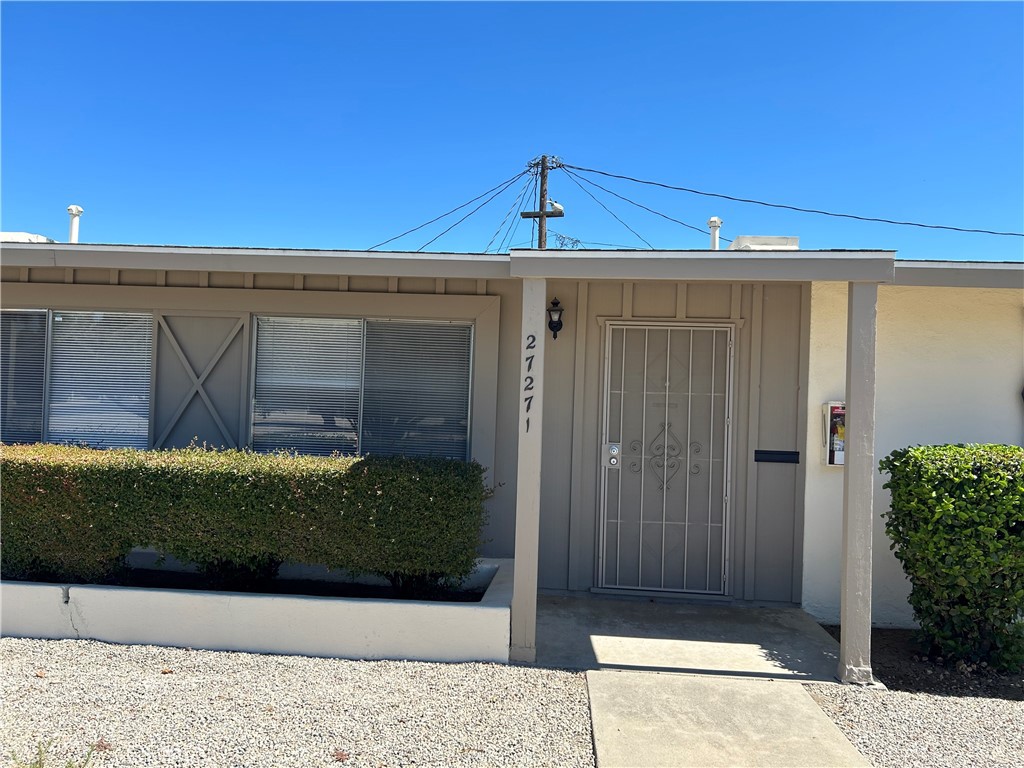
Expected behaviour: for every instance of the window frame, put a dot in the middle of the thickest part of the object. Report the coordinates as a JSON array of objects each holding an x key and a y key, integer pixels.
[
  {"x": 483, "y": 307},
  {"x": 48, "y": 358},
  {"x": 363, "y": 320},
  {"x": 44, "y": 382}
]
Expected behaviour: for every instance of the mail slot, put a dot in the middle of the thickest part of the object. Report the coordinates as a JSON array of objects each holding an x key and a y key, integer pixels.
[{"x": 777, "y": 457}]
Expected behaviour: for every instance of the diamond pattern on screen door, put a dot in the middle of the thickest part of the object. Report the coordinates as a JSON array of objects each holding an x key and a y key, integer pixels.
[{"x": 663, "y": 503}]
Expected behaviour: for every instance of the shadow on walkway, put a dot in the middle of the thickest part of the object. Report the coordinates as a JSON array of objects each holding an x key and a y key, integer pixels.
[{"x": 633, "y": 634}]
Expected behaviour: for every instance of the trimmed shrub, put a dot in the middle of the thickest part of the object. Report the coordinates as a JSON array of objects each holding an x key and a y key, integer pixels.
[
  {"x": 73, "y": 514},
  {"x": 957, "y": 526}
]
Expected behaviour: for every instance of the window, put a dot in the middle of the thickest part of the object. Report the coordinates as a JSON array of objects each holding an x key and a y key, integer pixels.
[
  {"x": 362, "y": 386},
  {"x": 307, "y": 385},
  {"x": 23, "y": 346},
  {"x": 416, "y": 388},
  {"x": 98, "y": 366}
]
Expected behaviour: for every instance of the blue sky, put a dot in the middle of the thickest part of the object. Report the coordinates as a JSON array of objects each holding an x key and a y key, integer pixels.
[{"x": 338, "y": 125}]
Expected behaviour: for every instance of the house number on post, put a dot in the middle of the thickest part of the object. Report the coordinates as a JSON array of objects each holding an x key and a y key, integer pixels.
[{"x": 531, "y": 344}]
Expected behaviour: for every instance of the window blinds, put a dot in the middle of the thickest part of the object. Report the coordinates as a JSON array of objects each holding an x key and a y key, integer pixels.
[
  {"x": 416, "y": 391},
  {"x": 22, "y": 368},
  {"x": 308, "y": 378},
  {"x": 100, "y": 374},
  {"x": 382, "y": 387}
]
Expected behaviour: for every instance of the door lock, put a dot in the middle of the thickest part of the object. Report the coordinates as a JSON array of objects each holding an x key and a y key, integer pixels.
[{"x": 612, "y": 455}]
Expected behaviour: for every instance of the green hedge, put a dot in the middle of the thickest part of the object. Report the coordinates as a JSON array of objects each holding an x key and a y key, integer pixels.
[
  {"x": 72, "y": 514},
  {"x": 957, "y": 525}
]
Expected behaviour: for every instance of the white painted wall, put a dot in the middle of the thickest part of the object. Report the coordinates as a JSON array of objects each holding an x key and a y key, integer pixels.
[
  {"x": 950, "y": 369},
  {"x": 352, "y": 628}
]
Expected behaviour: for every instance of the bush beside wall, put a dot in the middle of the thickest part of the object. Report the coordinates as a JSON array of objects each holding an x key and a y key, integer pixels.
[
  {"x": 957, "y": 526},
  {"x": 72, "y": 514}
]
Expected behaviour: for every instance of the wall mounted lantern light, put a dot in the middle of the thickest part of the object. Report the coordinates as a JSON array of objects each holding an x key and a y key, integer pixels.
[{"x": 555, "y": 318}]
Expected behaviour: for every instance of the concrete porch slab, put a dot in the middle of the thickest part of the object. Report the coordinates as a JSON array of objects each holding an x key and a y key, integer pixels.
[
  {"x": 599, "y": 632},
  {"x": 643, "y": 719}
]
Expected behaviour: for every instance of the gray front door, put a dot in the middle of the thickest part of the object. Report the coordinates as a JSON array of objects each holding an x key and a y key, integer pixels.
[{"x": 665, "y": 449}]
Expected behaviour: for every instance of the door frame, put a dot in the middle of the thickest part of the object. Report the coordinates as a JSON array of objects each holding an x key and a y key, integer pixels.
[{"x": 606, "y": 324}]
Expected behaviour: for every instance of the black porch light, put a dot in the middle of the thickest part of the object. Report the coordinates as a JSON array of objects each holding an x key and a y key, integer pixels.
[{"x": 555, "y": 318}]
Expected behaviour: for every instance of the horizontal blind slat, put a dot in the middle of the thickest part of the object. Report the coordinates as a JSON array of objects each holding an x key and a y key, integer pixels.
[
  {"x": 100, "y": 373},
  {"x": 417, "y": 383},
  {"x": 308, "y": 376},
  {"x": 22, "y": 370}
]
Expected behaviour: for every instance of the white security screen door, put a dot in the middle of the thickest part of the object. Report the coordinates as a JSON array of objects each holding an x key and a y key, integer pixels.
[{"x": 665, "y": 448}]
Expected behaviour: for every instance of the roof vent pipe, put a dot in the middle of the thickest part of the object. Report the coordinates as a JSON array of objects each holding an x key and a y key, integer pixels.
[
  {"x": 715, "y": 224},
  {"x": 74, "y": 211}
]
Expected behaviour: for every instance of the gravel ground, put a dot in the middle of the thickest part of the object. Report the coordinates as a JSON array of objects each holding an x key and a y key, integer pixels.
[
  {"x": 149, "y": 706},
  {"x": 931, "y": 716}
]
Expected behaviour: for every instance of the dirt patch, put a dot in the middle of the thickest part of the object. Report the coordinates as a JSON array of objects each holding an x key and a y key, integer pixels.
[
  {"x": 157, "y": 579},
  {"x": 901, "y": 662}
]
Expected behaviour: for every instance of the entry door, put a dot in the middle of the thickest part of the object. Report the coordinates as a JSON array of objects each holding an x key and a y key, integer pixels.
[{"x": 665, "y": 448}]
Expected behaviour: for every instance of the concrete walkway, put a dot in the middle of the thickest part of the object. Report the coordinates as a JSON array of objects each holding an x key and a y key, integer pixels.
[{"x": 681, "y": 684}]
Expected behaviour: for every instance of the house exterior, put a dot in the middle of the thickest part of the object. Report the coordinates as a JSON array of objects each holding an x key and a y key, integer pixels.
[{"x": 671, "y": 441}]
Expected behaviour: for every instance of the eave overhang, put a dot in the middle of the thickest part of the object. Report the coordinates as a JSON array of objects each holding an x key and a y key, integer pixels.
[
  {"x": 961, "y": 274},
  {"x": 729, "y": 266},
  {"x": 262, "y": 260}
]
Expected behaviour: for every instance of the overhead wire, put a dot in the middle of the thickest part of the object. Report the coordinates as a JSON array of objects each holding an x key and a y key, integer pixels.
[
  {"x": 449, "y": 213},
  {"x": 793, "y": 207},
  {"x": 515, "y": 203},
  {"x": 640, "y": 205},
  {"x": 513, "y": 226},
  {"x": 485, "y": 202},
  {"x": 572, "y": 178},
  {"x": 533, "y": 222}
]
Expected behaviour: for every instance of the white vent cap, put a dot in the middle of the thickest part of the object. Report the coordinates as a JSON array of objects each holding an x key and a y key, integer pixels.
[{"x": 765, "y": 243}]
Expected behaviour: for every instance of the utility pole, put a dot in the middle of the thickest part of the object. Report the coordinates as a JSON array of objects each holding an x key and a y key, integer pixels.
[{"x": 543, "y": 214}]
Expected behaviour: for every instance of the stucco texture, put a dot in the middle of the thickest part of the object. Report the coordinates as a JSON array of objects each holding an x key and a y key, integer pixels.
[{"x": 950, "y": 369}]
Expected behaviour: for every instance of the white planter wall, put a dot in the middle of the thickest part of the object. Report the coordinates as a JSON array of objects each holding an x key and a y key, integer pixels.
[{"x": 312, "y": 626}]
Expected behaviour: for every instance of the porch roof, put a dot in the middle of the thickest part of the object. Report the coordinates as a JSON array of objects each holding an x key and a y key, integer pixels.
[{"x": 745, "y": 266}]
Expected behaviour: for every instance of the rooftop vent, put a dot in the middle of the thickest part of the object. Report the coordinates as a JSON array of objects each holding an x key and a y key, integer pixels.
[{"x": 765, "y": 243}]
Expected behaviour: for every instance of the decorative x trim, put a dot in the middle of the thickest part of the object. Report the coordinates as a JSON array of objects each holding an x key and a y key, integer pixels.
[{"x": 197, "y": 383}]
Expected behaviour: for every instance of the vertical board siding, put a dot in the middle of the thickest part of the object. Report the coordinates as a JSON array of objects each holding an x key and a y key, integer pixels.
[{"x": 777, "y": 430}]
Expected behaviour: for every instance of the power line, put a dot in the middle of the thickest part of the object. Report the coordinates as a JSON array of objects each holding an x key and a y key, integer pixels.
[
  {"x": 453, "y": 210},
  {"x": 794, "y": 207},
  {"x": 609, "y": 211},
  {"x": 485, "y": 202},
  {"x": 515, "y": 203},
  {"x": 641, "y": 205},
  {"x": 513, "y": 226}
]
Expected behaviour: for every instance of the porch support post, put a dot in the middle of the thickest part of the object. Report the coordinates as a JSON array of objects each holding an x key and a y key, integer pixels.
[
  {"x": 530, "y": 391},
  {"x": 858, "y": 486}
]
